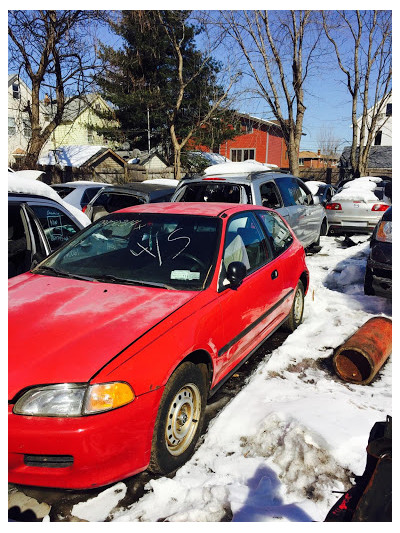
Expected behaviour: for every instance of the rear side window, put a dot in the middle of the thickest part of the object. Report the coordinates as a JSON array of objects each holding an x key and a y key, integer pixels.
[
  {"x": 279, "y": 236},
  {"x": 88, "y": 195},
  {"x": 114, "y": 201},
  {"x": 57, "y": 226},
  {"x": 215, "y": 192},
  {"x": 270, "y": 195},
  {"x": 63, "y": 191}
]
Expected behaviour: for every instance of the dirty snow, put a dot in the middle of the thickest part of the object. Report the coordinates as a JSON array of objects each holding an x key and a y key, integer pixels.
[
  {"x": 294, "y": 433},
  {"x": 242, "y": 167},
  {"x": 22, "y": 184}
]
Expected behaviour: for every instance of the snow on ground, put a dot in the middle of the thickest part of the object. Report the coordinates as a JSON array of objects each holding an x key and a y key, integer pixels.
[
  {"x": 294, "y": 433},
  {"x": 21, "y": 184}
]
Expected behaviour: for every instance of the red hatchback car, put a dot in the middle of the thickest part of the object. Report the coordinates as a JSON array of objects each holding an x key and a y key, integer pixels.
[{"x": 117, "y": 339}]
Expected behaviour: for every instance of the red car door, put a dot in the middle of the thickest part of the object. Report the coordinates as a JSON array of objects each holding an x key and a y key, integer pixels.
[{"x": 254, "y": 309}]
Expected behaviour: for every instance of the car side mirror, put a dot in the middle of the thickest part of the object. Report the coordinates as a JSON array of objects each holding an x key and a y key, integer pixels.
[{"x": 236, "y": 273}]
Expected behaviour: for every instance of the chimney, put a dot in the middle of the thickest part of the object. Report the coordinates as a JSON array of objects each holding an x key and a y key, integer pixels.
[{"x": 319, "y": 153}]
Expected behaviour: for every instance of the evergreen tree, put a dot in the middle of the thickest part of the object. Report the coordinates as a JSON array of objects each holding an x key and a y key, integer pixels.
[{"x": 158, "y": 70}]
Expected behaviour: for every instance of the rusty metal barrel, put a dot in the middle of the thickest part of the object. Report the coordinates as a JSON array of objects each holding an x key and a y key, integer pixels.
[{"x": 360, "y": 358}]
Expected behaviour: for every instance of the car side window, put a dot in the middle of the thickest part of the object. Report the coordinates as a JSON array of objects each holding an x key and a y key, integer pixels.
[
  {"x": 245, "y": 242},
  {"x": 288, "y": 189},
  {"x": 88, "y": 195},
  {"x": 270, "y": 195},
  {"x": 279, "y": 235},
  {"x": 57, "y": 226},
  {"x": 305, "y": 195}
]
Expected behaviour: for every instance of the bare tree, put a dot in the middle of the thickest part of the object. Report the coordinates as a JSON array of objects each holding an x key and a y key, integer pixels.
[
  {"x": 328, "y": 144},
  {"x": 363, "y": 48},
  {"x": 53, "y": 52},
  {"x": 185, "y": 78},
  {"x": 278, "y": 48}
]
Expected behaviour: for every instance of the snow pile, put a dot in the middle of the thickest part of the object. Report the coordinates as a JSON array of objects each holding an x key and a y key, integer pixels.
[
  {"x": 70, "y": 156},
  {"x": 313, "y": 186},
  {"x": 32, "y": 174},
  {"x": 98, "y": 508},
  {"x": 238, "y": 167},
  {"x": 18, "y": 184},
  {"x": 359, "y": 190}
]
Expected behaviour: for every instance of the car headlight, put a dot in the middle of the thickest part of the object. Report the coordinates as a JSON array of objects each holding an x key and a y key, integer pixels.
[
  {"x": 384, "y": 231},
  {"x": 73, "y": 399}
]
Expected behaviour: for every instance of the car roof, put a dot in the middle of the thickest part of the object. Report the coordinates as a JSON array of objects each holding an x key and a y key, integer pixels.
[
  {"x": 142, "y": 186},
  {"x": 211, "y": 209},
  {"x": 20, "y": 195},
  {"x": 244, "y": 177}
]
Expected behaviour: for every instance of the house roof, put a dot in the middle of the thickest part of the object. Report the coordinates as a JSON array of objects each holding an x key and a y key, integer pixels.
[
  {"x": 379, "y": 157},
  {"x": 76, "y": 155},
  {"x": 259, "y": 120},
  {"x": 73, "y": 107}
]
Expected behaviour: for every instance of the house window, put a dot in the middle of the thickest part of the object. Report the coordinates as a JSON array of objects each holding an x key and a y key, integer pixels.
[
  {"x": 301, "y": 161},
  {"x": 90, "y": 136},
  {"x": 27, "y": 128},
  {"x": 389, "y": 110},
  {"x": 11, "y": 126},
  {"x": 378, "y": 138},
  {"x": 16, "y": 91},
  {"x": 242, "y": 154}
]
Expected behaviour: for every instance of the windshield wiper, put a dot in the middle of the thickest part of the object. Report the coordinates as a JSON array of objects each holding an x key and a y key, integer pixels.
[
  {"x": 60, "y": 273},
  {"x": 115, "y": 279}
]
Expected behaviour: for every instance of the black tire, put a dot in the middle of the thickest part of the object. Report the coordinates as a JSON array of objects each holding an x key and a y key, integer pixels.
[
  {"x": 368, "y": 290},
  {"x": 180, "y": 418},
  {"x": 295, "y": 317}
]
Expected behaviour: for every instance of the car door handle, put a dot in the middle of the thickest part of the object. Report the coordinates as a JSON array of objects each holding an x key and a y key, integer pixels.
[{"x": 274, "y": 274}]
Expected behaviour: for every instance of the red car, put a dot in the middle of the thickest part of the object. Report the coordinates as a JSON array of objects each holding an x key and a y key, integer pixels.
[{"x": 118, "y": 338}]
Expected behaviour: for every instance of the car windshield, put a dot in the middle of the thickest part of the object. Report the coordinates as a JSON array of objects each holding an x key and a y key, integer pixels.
[
  {"x": 170, "y": 251},
  {"x": 215, "y": 192}
]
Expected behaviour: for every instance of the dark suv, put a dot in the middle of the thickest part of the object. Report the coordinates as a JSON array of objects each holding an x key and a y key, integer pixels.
[
  {"x": 110, "y": 199},
  {"x": 378, "y": 274},
  {"x": 285, "y": 193}
]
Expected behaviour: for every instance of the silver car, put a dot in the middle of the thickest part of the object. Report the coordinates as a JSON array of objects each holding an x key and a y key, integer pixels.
[
  {"x": 285, "y": 193},
  {"x": 357, "y": 207}
]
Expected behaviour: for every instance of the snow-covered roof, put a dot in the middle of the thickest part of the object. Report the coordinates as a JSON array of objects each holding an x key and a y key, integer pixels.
[
  {"x": 31, "y": 174},
  {"x": 314, "y": 186},
  {"x": 359, "y": 190},
  {"x": 20, "y": 184},
  {"x": 211, "y": 157},
  {"x": 242, "y": 167},
  {"x": 70, "y": 156}
]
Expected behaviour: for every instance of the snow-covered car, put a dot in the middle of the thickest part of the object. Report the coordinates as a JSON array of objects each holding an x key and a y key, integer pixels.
[
  {"x": 110, "y": 199},
  {"x": 357, "y": 207},
  {"x": 250, "y": 182},
  {"x": 322, "y": 192},
  {"x": 38, "y": 223},
  {"x": 378, "y": 273},
  {"x": 78, "y": 193},
  {"x": 137, "y": 321}
]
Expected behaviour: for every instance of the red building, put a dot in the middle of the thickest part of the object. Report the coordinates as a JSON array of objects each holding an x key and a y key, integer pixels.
[{"x": 262, "y": 140}]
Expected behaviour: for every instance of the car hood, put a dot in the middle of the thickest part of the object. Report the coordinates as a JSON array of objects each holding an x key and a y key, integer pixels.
[{"x": 63, "y": 330}]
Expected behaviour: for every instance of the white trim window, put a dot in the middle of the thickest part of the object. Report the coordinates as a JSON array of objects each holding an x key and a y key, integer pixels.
[{"x": 242, "y": 154}]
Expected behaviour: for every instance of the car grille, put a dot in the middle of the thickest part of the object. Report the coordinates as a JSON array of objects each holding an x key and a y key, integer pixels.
[{"x": 49, "y": 461}]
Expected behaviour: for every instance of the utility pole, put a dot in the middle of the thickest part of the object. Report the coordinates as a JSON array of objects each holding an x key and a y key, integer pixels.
[{"x": 148, "y": 128}]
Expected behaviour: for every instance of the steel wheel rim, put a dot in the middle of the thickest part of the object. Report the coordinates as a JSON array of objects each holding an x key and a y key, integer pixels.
[
  {"x": 183, "y": 419},
  {"x": 298, "y": 306}
]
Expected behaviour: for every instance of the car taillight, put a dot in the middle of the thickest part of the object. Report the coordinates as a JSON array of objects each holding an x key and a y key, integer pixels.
[
  {"x": 380, "y": 207},
  {"x": 84, "y": 208},
  {"x": 333, "y": 206},
  {"x": 213, "y": 179}
]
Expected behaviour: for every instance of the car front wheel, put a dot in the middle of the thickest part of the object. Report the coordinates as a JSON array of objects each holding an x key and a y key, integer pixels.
[
  {"x": 180, "y": 418},
  {"x": 296, "y": 313}
]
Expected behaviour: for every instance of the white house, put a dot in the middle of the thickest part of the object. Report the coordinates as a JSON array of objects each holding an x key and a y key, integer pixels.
[
  {"x": 383, "y": 131},
  {"x": 19, "y": 129}
]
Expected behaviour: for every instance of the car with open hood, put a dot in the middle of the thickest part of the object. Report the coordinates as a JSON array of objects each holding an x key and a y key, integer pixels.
[{"x": 138, "y": 320}]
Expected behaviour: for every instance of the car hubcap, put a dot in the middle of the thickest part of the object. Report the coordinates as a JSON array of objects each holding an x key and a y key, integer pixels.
[
  {"x": 183, "y": 419},
  {"x": 298, "y": 306}
]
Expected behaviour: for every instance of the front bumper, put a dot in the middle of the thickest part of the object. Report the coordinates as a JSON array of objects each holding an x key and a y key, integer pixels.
[
  {"x": 381, "y": 277},
  {"x": 84, "y": 452}
]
